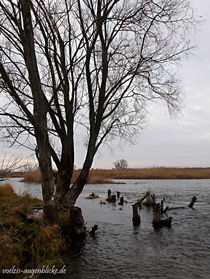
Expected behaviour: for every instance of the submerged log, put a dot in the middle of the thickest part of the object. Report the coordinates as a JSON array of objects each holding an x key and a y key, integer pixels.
[
  {"x": 193, "y": 200},
  {"x": 174, "y": 208},
  {"x": 136, "y": 217},
  {"x": 121, "y": 201},
  {"x": 77, "y": 227},
  {"x": 165, "y": 222},
  {"x": 92, "y": 196}
]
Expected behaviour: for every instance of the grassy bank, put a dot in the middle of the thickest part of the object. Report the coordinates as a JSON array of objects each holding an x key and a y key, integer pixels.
[
  {"x": 101, "y": 176},
  {"x": 25, "y": 242}
]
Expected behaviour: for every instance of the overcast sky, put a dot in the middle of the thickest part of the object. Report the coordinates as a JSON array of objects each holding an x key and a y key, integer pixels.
[{"x": 183, "y": 141}]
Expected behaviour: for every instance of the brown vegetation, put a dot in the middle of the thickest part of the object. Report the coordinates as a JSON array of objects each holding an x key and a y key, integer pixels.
[
  {"x": 95, "y": 177},
  {"x": 24, "y": 240},
  {"x": 158, "y": 173},
  {"x": 101, "y": 176}
]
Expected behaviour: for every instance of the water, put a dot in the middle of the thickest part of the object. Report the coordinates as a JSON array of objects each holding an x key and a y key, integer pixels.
[{"x": 121, "y": 251}]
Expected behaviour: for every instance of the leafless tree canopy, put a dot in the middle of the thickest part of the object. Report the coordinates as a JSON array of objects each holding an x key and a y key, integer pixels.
[
  {"x": 121, "y": 164},
  {"x": 9, "y": 164},
  {"x": 94, "y": 63}
]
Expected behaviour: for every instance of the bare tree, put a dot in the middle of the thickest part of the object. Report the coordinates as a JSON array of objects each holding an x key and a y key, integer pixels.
[
  {"x": 121, "y": 164},
  {"x": 9, "y": 164},
  {"x": 89, "y": 63}
]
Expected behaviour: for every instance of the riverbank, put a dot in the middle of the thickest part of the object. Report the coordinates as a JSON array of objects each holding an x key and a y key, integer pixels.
[
  {"x": 25, "y": 241},
  {"x": 157, "y": 173},
  {"x": 101, "y": 176}
]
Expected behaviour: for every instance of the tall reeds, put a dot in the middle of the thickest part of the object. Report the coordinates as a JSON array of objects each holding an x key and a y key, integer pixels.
[{"x": 101, "y": 176}]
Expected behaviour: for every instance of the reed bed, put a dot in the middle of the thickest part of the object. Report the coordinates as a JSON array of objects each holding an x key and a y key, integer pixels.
[
  {"x": 101, "y": 176},
  {"x": 157, "y": 173}
]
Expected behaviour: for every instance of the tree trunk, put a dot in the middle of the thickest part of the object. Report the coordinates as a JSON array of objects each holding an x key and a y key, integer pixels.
[
  {"x": 50, "y": 212},
  {"x": 77, "y": 223},
  {"x": 63, "y": 182},
  {"x": 40, "y": 113},
  {"x": 74, "y": 191}
]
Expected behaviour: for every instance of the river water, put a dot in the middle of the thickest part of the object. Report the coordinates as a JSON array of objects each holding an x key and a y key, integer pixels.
[{"x": 122, "y": 251}]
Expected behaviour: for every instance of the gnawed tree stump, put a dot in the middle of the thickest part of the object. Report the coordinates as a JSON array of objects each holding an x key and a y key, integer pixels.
[
  {"x": 150, "y": 199},
  {"x": 93, "y": 230},
  {"x": 157, "y": 222},
  {"x": 121, "y": 201},
  {"x": 111, "y": 198},
  {"x": 156, "y": 212},
  {"x": 77, "y": 227},
  {"x": 161, "y": 207},
  {"x": 140, "y": 200},
  {"x": 164, "y": 222},
  {"x": 136, "y": 217},
  {"x": 194, "y": 199}
]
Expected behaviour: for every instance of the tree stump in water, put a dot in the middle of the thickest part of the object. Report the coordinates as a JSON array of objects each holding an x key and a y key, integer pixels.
[
  {"x": 121, "y": 201},
  {"x": 194, "y": 199},
  {"x": 156, "y": 213},
  {"x": 161, "y": 207},
  {"x": 157, "y": 222},
  {"x": 136, "y": 217},
  {"x": 111, "y": 198},
  {"x": 150, "y": 199},
  {"x": 77, "y": 228},
  {"x": 118, "y": 195},
  {"x": 109, "y": 193},
  {"x": 93, "y": 230}
]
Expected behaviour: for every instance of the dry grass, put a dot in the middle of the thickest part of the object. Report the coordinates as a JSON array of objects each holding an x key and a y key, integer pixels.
[
  {"x": 157, "y": 173},
  {"x": 32, "y": 176},
  {"x": 101, "y": 176},
  {"x": 26, "y": 242},
  {"x": 93, "y": 178}
]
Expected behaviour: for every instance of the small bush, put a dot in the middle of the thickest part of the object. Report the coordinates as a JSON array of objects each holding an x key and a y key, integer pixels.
[{"x": 32, "y": 176}]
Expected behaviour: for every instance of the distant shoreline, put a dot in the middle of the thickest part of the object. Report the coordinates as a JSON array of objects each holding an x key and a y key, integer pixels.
[{"x": 105, "y": 176}]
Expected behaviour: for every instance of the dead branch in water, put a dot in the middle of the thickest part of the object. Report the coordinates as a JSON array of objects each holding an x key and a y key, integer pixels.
[{"x": 192, "y": 202}]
